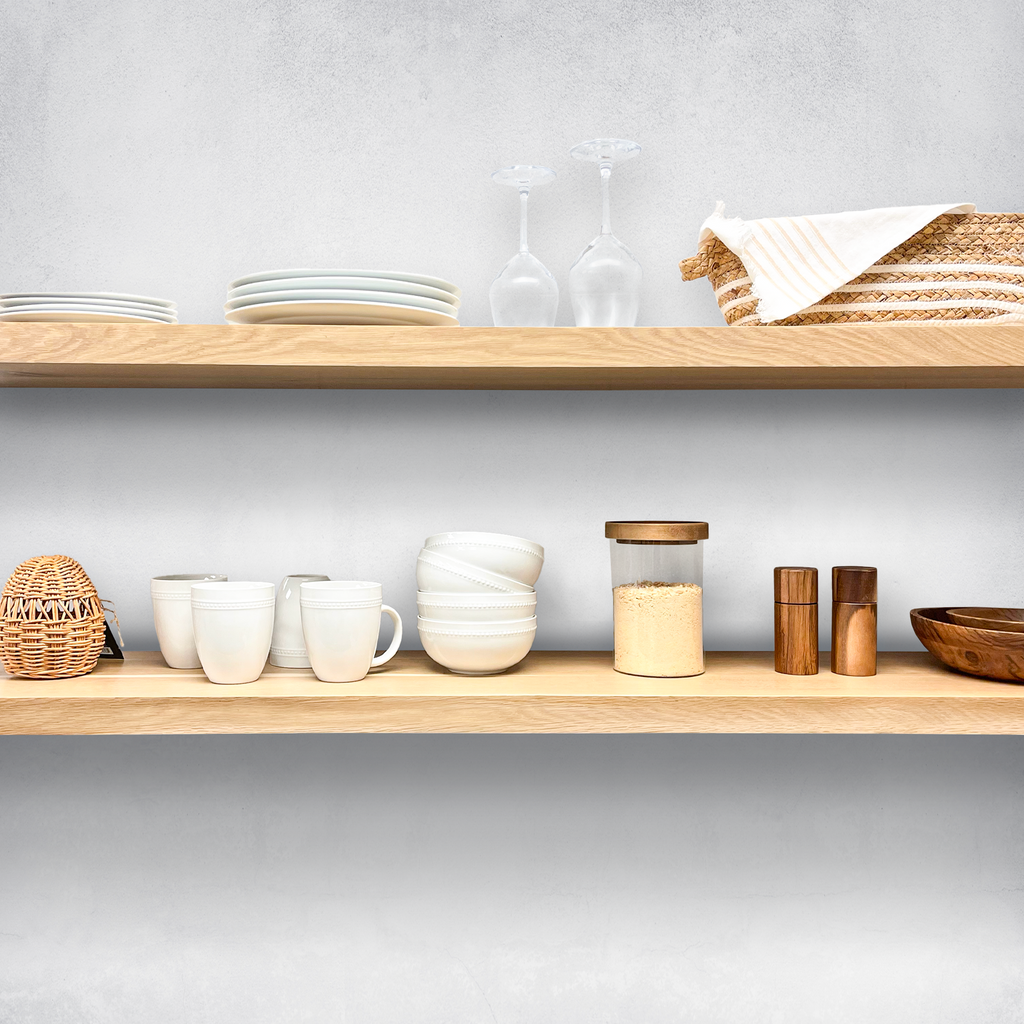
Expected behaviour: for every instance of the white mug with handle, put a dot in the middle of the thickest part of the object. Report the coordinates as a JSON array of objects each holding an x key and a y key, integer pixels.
[
  {"x": 340, "y": 624},
  {"x": 287, "y": 648}
]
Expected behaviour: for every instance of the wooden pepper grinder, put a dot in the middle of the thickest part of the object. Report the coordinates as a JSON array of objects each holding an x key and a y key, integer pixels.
[
  {"x": 854, "y": 620},
  {"x": 796, "y": 620}
]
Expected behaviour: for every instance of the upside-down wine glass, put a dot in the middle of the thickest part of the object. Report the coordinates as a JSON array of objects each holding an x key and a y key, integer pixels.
[
  {"x": 524, "y": 294},
  {"x": 604, "y": 282}
]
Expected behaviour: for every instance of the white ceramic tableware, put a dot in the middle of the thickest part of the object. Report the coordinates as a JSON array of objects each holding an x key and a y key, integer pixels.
[
  {"x": 264, "y": 310},
  {"x": 44, "y": 314},
  {"x": 391, "y": 275},
  {"x": 233, "y": 625},
  {"x": 156, "y": 312},
  {"x": 517, "y": 557},
  {"x": 457, "y": 628},
  {"x": 478, "y": 653},
  {"x": 82, "y": 296},
  {"x": 287, "y": 647},
  {"x": 377, "y": 284},
  {"x": 128, "y": 307},
  {"x": 341, "y": 623},
  {"x": 341, "y": 295},
  {"x": 438, "y": 573},
  {"x": 172, "y": 616},
  {"x": 378, "y": 321},
  {"x": 475, "y": 607}
]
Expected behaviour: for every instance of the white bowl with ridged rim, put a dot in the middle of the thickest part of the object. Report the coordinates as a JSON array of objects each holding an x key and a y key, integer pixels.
[
  {"x": 437, "y": 573},
  {"x": 516, "y": 557},
  {"x": 477, "y": 628},
  {"x": 477, "y": 654},
  {"x": 476, "y": 607}
]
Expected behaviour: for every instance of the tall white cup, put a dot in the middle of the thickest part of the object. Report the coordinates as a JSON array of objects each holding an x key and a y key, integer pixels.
[
  {"x": 172, "y": 616},
  {"x": 341, "y": 623},
  {"x": 287, "y": 648},
  {"x": 233, "y": 625}
]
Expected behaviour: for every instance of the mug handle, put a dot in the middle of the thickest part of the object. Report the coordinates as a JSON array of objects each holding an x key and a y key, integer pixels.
[{"x": 396, "y": 640}]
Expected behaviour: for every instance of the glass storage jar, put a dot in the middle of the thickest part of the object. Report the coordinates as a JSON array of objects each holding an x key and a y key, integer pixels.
[{"x": 657, "y": 596}]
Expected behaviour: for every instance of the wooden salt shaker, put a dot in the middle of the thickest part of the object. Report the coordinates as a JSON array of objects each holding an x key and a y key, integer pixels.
[
  {"x": 796, "y": 620},
  {"x": 854, "y": 620}
]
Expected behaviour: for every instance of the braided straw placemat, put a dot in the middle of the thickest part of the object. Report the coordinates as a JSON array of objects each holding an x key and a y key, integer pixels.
[
  {"x": 962, "y": 266},
  {"x": 52, "y": 624}
]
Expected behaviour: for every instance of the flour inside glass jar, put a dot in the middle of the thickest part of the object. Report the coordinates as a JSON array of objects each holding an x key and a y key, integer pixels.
[{"x": 659, "y": 628}]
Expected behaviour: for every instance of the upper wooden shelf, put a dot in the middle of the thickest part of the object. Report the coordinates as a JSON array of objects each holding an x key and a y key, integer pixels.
[
  {"x": 960, "y": 355},
  {"x": 550, "y": 692}
]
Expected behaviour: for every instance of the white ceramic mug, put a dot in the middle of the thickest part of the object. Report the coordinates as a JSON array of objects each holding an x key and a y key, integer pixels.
[
  {"x": 341, "y": 623},
  {"x": 287, "y": 648},
  {"x": 172, "y": 616},
  {"x": 233, "y": 625}
]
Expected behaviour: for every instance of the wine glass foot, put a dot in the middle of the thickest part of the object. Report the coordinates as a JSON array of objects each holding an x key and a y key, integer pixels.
[{"x": 605, "y": 151}]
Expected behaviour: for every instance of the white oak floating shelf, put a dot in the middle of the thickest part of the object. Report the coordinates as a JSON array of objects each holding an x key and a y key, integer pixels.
[
  {"x": 907, "y": 355},
  {"x": 550, "y": 692}
]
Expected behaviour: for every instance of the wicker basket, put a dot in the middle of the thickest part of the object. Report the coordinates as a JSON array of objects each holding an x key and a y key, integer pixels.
[
  {"x": 51, "y": 621},
  {"x": 967, "y": 266}
]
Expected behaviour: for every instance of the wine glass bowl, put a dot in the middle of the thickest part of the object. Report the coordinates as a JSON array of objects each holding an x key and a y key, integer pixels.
[
  {"x": 604, "y": 282},
  {"x": 524, "y": 294}
]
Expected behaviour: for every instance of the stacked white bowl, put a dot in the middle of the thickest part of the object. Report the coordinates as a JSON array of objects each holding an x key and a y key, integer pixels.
[{"x": 476, "y": 602}]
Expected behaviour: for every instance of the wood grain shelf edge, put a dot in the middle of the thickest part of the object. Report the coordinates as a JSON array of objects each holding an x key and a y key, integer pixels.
[
  {"x": 224, "y": 356},
  {"x": 551, "y": 692}
]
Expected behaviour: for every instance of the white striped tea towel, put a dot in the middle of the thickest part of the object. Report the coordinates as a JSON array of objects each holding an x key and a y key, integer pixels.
[{"x": 795, "y": 261}]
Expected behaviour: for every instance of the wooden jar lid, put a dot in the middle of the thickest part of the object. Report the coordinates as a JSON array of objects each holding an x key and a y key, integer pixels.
[
  {"x": 796, "y": 584},
  {"x": 855, "y": 584},
  {"x": 664, "y": 530}
]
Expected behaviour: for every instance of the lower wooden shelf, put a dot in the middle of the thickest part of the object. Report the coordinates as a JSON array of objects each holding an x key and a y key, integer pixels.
[{"x": 550, "y": 692}]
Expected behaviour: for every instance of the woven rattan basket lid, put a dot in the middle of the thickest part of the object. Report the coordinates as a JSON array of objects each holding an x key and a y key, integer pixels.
[{"x": 52, "y": 623}]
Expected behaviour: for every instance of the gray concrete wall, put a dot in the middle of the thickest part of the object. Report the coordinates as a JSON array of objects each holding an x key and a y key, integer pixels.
[{"x": 166, "y": 148}]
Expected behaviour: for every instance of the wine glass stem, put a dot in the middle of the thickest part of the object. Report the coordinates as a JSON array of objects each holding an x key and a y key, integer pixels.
[
  {"x": 606, "y": 210},
  {"x": 524, "y": 194}
]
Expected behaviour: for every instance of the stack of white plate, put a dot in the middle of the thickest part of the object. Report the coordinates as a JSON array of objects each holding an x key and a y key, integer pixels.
[
  {"x": 477, "y": 606},
  {"x": 86, "y": 307},
  {"x": 342, "y": 297}
]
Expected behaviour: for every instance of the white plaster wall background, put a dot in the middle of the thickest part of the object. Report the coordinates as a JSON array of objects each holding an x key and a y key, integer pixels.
[
  {"x": 258, "y": 484},
  {"x": 376, "y": 879},
  {"x": 166, "y": 148}
]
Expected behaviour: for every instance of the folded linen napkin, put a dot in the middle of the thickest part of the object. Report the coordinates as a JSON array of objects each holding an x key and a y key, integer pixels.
[{"x": 795, "y": 261}]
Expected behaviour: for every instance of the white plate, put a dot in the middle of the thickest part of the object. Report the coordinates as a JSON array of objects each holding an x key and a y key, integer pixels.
[
  {"x": 377, "y": 284},
  {"x": 270, "y": 275},
  {"x": 342, "y": 321},
  {"x": 341, "y": 295},
  {"x": 39, "y": 314},
  {"x": 300, "y": 310},
  {"x": 128, "y": 307},
  {"x": 167, "y": 315},
  {"x": 88, "y": 296}
]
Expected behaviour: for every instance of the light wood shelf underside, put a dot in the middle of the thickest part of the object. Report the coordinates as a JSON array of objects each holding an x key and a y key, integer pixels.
[
  {"x": 551, "y": 692},
  {"x": 954, "y": 355}
]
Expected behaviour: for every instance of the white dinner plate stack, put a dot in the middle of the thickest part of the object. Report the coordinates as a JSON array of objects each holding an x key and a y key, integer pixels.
[
  {"x": 476, "y": 600},
  {"x": 380, "y": 297},
  {"x": 86, "y": 307}
]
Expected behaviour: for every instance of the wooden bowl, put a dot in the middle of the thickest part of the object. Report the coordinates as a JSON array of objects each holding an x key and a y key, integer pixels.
[
  {"x": 1009, "y": 620},
  {"x": 989, "y": 653}
]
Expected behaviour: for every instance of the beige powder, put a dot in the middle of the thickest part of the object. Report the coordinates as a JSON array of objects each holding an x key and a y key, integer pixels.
[{"x": 659, "y": 629}]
